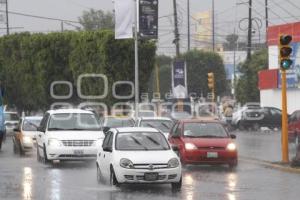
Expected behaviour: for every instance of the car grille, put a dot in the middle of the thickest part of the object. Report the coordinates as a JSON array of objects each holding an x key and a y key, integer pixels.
[
  {"x": 77, "y": 156},
  {"x": 211, "y": 148},
  {"x": 159, "y": 178},
  {"x": 77, "y": 143},
  {"x": 150, "y": 166}
]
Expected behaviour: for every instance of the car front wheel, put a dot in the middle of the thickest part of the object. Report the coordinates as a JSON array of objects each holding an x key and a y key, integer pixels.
[
  {"x": 46, "y": 161},
  {"x": 99, "y": 175},
  {"x": 177, "y": 185},
  {"x": 113, "y": 179}
]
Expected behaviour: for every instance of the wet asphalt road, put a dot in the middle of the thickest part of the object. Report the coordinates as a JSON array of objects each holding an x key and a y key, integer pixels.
[{"x": 25, "y": 179}]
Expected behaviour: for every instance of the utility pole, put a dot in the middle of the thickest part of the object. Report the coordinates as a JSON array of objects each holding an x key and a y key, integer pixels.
[
  {"x": 213, "y": 25},
  {"x": 176, "y": 40},
  {"x": 188, "y": 24},
  {"x": 136, "y": 60},
  {"x": 267, "y": 15},
  {"x": 7, "y": 24},
  {"x": 249, "y": 46}
]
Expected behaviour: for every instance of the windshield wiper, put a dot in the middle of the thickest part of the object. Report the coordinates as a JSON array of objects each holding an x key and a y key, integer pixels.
[
  {"x": 57, "y": 129},
  {"x": 137, "y": 142},
  {"x": 209, "y": 136},
  {"x": 165, "y": 125},
  {"x": 152, "y": 140},
  {"x": 150, "y": 125}
]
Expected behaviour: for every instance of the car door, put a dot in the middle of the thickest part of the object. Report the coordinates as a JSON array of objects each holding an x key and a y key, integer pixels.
[
  {"x": 176, "y": 137},
  {"x": 107, "y": 154},
  {"x": 275, "y": 117},
  {"x": 40, "y": 139}
]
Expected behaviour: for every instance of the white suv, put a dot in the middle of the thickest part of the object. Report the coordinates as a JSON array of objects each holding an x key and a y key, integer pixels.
[{"x": 68, "y": 134}]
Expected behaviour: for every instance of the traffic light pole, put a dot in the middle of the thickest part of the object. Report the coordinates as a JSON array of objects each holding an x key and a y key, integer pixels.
[{"x": 284, "y": 128}]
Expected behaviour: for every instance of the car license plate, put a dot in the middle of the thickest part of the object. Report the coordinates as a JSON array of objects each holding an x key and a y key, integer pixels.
[
  {"x": 78, "y": 152},
  {"x": 151, "y": 176},
  {"x": 212, "y": 155}
]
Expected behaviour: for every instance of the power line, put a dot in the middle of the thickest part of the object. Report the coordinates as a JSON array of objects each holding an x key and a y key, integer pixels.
[{"x": 285, "y": 10}]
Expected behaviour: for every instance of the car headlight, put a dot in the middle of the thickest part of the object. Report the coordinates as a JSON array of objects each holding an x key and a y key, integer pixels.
[
  {"x": 190, "y": 146},
  {"x": 54, "y": 143},
  {"x": 27, "y": 139},
  {"x": 126, "y": 163},
  {"x": 231, "y": 147},
  {"x": 173, "y": 163}
]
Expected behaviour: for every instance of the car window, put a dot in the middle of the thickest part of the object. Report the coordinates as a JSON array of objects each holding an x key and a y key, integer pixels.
[
  {"x": 74, "y": 121},
  {"x": 178, "y": 130},
  {"x": 163, "y": 125},
  {"x": 44, "y": 121},
  {"x": 106, "y": 139},
  {"x": 11, "y": 117},
  {"x": 297, "y": 116},
  {"x": 205, "y": 130},
  {"x": 110, "y": 140},
  {"x": 275, "y": 112},
  {"x": 142, "y": 141},
  {"x": 30, "y": 124}
]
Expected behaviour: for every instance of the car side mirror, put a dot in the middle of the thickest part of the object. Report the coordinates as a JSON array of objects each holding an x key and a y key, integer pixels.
[
  {"x": 175, "y": 148},
  {"x": 107, "y": 149},
  {"x": 232, "y": 136},
  {"x": 40, "y": 129},
  {"x": 105, "y": 129}
]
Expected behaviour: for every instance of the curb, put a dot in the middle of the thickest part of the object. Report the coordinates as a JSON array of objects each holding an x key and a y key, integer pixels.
[{"x": 271, "y": 165}]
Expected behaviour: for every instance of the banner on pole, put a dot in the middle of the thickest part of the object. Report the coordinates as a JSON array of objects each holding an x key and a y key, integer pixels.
[
  {"x": 179, "y": 80},
  {"x": 124, "y": 19},
  {"x": 148, "y": 19}
]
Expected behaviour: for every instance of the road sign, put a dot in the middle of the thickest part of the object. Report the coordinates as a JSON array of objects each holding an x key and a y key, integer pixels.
[
  {"x": 179, "y": 81},
  {"x": 148, "y": 19}
]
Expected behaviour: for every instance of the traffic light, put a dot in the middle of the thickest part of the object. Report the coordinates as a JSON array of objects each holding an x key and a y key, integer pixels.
[
  {"x": 285, "y": 51},
  {"x": 211, "y": 80}
]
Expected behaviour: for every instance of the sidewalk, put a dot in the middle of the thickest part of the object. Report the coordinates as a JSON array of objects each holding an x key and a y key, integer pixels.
[{"x": 263, "y": 146}]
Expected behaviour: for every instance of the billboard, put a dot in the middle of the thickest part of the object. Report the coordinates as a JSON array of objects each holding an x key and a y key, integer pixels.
[{"x": 179, "y": 80}]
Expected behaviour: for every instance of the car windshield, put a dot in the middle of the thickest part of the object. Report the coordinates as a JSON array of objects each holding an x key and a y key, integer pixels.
[
  {"x": 118, "y": 122},
  {"x": 11, "y": 117},
  {"x": 146, "y": 114},
  {"x": 143, "y": 141},
  {"x": 163, "y": 125},
  {"x": 31, "y": 124},
  {"x": 205, "y": 130},
  {"x": 73, "y": 121}
]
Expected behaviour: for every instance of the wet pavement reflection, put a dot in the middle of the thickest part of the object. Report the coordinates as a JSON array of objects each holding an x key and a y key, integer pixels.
[{"x": 26, "y": 179}]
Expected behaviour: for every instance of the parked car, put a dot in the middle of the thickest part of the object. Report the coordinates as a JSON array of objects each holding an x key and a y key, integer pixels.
[
  {"x": 68, "y": 134},
  {"x": 163, "y": 124},
  {"x": 11, "y": 122},
  {"x": 25, "y": 134},
  {"x": 138, "y": 155},
  {"x": 117, "y": 121},
  {"x": 204, "y": 142},
  {"x": 294, "y": 127}
]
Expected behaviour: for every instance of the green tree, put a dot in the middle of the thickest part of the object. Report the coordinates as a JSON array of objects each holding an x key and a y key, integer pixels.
[
  {"x": 97, "y": 19},
  {"x": 199, "y": 63},
  {"x": 247, "y": 85}
]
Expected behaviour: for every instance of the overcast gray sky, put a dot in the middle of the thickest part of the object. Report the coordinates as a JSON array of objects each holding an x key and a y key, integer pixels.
[{"x": 225, "y": 15}]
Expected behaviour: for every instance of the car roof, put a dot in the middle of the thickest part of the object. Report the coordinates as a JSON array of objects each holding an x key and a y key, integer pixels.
[
  {"x": 155, "y": 118},
  {"x": 200, "y": 119},
  {"x": 135, "y": 129},
  {"x": 33, "y": 117},
  {"x": 62, "y": 111}
]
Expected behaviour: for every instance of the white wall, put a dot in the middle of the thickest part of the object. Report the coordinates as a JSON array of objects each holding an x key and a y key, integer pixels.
[
  {"x": 272, "y": 98},
  {"x": 273, "y": 57}
]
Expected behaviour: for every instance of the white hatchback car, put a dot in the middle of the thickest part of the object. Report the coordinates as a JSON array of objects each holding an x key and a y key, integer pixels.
[
  {"x": 138, "y": 155},
  {"x": 68, "y": 134}
]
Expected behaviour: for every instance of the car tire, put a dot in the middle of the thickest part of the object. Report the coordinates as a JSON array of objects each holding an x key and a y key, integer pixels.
[
  {"x": 38, "y": 156},
  {"x": 99, "y": 175},
  {"x": 45, "y": 159},
  {"x": 233, "y": 165},
  {"x": 21, "y": 152},
  {"x": 181, "y": 160},
  {"x": 113, "y": 180},
  {"x": 240, "y": 126},
  {"x": 177, "y": 185},
  {"x": 256, "y": 127}
]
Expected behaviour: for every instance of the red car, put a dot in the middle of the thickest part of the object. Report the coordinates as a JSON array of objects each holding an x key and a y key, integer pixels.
[
  {"x": 294, "y": 127},
  {"x": 203, "y": 142}
]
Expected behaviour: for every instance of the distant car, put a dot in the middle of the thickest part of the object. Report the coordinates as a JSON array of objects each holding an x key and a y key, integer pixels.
[
  {"x": 163, "y": 124},
  {"x": 25, "y": 135},
  {"x": 11, "y": 122},
  {"x": 68, "y": 134},
  {"x": 176, "y": 115},
  {"x": 138, "y": 155},
  {"x": 204, "y": 142},
  {"x": 256, "y": 117},
  {"x": 117, "y": 121},
  {"x": 144, "y": 113},
  {"x": 294, "y": 127}
]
